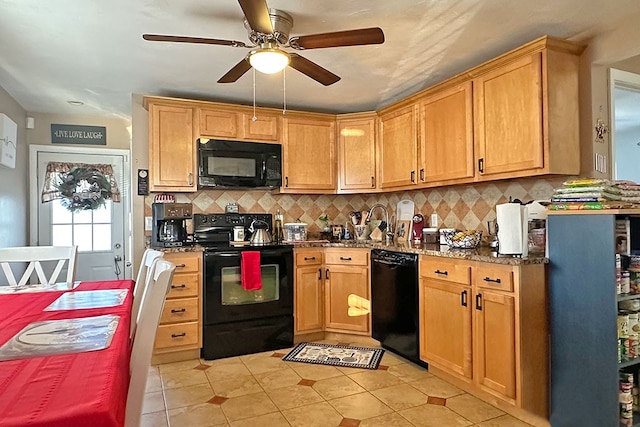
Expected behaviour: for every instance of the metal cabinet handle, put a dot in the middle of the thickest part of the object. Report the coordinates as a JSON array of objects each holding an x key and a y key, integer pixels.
[
  {"x": 319, "y": 274},
  {"x": 422, "y": 174},
  {"x": 463, "y": 298},
  {"x": 488, "y": 279},
  {"x": 178, "y": 286},
  {"x": 190, "y": 178},
  {"x": 413, "y": 176},
  {"x": 481, "y": 165},
  {"x": 326, "y": 274},
  {"x": 286, "y": 181},
  {"x": 181, "y": 265},
  {"x": 479, "y": 302},
  {"x": 180, "y": 335},
  {"x": 444, "y": 273},
  {"x": 373, "y": 182},
  {"x": 178, "y": 310},
  {"x": 345, "y": 258},
  {"x": 311, "y": 258}
]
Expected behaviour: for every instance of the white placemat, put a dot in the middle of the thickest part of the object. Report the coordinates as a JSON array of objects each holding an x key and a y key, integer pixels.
[
  {"x": 63, "y": 286},
  {"x": 52, "y": 337},
  {"x": 88, "y": 299}
]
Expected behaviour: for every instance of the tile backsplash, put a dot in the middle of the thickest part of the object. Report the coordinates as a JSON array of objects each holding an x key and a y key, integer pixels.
[{"x": 462, "y": 206}]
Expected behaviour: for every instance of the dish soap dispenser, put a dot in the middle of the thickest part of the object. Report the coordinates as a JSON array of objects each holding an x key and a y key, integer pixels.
[{"x": 279, "y": 234}]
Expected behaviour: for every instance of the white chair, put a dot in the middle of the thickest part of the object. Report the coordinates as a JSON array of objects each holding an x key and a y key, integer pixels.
[
  {"x": 39, "y": 259},
  {"x": 142, "y": 279},
  {"x": 153, "y": 298}
]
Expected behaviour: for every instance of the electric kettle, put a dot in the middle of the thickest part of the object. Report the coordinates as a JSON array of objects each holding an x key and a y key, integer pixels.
[{"x": 259, "y": 233}]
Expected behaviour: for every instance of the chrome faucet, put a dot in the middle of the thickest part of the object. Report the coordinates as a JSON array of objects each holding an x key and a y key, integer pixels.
[{"x": 389, "y": 232}]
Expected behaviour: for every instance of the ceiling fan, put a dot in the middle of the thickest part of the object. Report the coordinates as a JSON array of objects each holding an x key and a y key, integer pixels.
[{"x": 269, "y": 33}]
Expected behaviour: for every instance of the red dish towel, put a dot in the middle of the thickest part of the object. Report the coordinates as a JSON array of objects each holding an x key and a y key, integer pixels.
[{"x": 250, "y": 274}]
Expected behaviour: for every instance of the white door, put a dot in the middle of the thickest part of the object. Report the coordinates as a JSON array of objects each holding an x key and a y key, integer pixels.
[{"x": 99, "y": 234}]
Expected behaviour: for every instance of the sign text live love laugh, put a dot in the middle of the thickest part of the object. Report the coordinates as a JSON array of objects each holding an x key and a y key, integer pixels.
[{"x": 78, "y": 134}]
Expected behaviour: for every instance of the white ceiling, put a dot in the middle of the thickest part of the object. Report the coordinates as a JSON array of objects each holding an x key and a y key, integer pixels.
[{"x": 92, "y": 51}]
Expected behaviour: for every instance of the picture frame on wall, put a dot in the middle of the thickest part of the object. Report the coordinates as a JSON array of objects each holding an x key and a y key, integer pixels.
[{"x": 8, "y": 141}]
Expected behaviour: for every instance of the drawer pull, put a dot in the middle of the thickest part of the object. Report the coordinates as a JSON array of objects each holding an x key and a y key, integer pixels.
[
  {"x": 181, "y": 265},
  {"x": 342, "y": 258},
  {"x": 180, "y": 335},
  {"x": 311, "y": 258},
  {"x": 479, "y": 302},
  {"x": 178, "y": 310},
  {"x": 488, "y": 279},
  {"x": 178, "y": 286},
  {"x": 463, "y": 298},
  {"x": 444, "y": 273}
]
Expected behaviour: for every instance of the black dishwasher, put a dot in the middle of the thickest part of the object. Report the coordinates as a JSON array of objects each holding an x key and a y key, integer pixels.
[{"x": 394, "y": 302}]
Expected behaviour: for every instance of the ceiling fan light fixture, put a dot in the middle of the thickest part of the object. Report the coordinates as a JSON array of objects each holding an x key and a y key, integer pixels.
[{"x": 268, "y": 59}]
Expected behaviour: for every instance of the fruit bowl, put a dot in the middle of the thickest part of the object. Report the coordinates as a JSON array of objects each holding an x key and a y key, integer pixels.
[{"x": 469, "y": 239}]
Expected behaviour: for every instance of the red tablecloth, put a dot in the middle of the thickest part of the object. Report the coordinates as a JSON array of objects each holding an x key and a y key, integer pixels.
[{"x": 70, "y": 390}]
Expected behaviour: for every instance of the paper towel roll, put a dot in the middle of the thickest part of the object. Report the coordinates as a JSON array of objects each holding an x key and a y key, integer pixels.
[{"x": 512, "y": 229}]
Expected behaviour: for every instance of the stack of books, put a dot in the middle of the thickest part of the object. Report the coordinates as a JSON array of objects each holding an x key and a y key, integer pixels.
[{"x": 593, "y": 193}]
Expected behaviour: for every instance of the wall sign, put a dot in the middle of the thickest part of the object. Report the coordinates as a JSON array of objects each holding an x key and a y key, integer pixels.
[
  {"x": 143, "y": 182},
  {"x": 78, "y": 134}
]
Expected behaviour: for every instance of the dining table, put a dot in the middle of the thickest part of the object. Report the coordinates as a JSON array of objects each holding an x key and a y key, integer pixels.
[{"x": 78, "y": 389}]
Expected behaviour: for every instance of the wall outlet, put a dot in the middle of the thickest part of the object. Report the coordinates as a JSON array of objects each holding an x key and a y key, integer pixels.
[
  {"x": 433, "y": 223},
  {"x": 148, "y": 223}
]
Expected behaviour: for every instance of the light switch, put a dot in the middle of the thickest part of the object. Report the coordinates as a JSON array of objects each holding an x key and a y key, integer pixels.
[
  {"x": 148, "y": 223},
  {"x": 434, "y": 220}
]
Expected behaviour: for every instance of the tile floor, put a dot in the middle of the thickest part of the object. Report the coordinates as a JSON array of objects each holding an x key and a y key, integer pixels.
[{"x": 262, "y": 390}]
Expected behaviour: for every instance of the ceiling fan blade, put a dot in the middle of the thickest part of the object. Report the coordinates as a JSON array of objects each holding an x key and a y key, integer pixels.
[
  {"x": 312, "y": 70},
  {"x": 183, "y": 39},
  {"x": 338, "y": 39},
  {"x": 236, "y": 72},
  {"x": 257, "y": 14}
]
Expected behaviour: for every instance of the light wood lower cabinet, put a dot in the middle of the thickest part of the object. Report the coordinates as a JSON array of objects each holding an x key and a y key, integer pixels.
[
  {"x": 325, "y": 280},
  {"x": 181, "y": 320},
  {"x": 488, "y": 328}
]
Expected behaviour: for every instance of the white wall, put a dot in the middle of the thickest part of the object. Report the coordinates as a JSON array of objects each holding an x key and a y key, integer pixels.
[{"x": 14, "y": 194}]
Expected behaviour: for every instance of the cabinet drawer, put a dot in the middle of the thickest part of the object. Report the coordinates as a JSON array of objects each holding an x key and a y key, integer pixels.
[
  {"x": 494, "y": 277},
  {"x": 347, "y": 257},
  {"x": 445, "y": 269},
  {"x": 184, "y": 285},
  {"x": 180, "y": 310},
  {"x": 312, "y": 257},
  {"x": 177, "y": 335},
  {"x": 185, "y": 262}
]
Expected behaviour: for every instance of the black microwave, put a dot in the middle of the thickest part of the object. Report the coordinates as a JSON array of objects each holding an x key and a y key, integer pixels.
[{"x": 235, "y": 164}]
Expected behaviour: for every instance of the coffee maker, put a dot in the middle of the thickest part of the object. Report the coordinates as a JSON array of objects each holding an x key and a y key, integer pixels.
[{"x": 169, "y": 227}]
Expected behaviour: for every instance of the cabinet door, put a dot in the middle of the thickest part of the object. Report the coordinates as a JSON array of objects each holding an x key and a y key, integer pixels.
[
  {"x": 309, "y": 301},
  {"x": 495, "y": 343},
  {"x": 356, "y": 154},
  {"x": 265, "y": 127},
  {"x": 218, "y": 123},
  {"x": 399, "y": 147},
  {"x": 309, "y": 154},
  {"x": 172, "y": 149},
  {"x": 508, "y": 118},
  {"x": 340, "y": 283},
  {"x": 445, "y": 326},
  {"x": 446, "y": 135}
]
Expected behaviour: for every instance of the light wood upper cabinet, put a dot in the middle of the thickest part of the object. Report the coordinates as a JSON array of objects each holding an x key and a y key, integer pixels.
[
  {"x": 265, "y": 127},
  {"x": 308, "y": 154},
  {"x": 172, "y": 148},
  {"x": 446, "y": 135},
  {"x": 526, "y": 112},
  {"x": 398, "y": 147},
  {"x": 356, "y": 152},
  {"x": 216, "y": 123}
]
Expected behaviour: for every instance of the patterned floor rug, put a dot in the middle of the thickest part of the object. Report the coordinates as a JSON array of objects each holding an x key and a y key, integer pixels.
[{"x": 336, "y": 355}]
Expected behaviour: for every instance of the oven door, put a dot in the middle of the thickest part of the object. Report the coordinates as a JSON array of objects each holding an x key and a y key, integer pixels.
[{"x": 226, "y": 301}]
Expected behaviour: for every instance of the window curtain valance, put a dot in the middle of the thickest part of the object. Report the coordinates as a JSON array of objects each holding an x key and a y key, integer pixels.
[{"x": 80, "y": 186}]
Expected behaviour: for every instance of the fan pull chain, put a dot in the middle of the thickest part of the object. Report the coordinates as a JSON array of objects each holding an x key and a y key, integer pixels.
[
  {"x": 284, "y": 91},
  {"x": 254, "y": 118}
]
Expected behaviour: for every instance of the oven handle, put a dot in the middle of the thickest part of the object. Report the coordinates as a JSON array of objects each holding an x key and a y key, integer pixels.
[{"x": 237, "y": 254}]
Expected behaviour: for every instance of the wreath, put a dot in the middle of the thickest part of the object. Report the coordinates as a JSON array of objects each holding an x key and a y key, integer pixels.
[{"x": 83, "y": 189}]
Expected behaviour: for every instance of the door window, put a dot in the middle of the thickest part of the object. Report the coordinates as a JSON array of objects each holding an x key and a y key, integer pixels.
[
  {"x": 90, "y": 230},
  {"x": 233, "y": 294}
]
